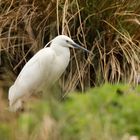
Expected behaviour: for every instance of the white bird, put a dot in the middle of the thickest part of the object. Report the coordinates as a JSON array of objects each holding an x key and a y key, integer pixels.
[{"x": 42, "y": 70}]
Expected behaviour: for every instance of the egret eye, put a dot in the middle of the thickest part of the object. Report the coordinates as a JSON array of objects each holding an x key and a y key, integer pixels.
[{"x": 67, "y": 41}]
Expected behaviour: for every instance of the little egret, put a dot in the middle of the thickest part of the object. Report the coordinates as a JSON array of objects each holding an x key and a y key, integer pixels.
[{"x": 42, "y": 70}]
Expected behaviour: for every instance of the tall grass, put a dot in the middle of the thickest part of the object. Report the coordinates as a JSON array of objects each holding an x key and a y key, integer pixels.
[{"x": 109, "y": 28}]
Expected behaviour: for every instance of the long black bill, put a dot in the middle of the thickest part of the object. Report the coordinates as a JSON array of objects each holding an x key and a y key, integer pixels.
[{"x": 78, "y": 46}]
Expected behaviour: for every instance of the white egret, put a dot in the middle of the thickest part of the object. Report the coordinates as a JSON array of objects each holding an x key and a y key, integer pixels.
[{"x": 42, "y": 70}]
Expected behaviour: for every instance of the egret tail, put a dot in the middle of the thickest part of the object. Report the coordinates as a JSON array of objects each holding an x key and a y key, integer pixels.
[
  {"x": 14, "y": 104},
  {"x": 13, "y": 107}
]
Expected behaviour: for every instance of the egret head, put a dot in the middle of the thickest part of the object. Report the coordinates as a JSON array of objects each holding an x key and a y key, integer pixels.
[{"x": 65, "y": 41}]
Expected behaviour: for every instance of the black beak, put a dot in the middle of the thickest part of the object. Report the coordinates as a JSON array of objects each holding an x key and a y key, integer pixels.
[{"x": 78, "y": 46}]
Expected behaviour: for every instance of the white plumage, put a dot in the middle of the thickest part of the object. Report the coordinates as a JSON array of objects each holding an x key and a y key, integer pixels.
[{"x": 42, "y": 70}]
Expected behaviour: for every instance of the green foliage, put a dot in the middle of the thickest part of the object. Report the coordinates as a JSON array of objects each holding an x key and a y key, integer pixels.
[
  {"x": 106, "y": 112},
  {"x": 5, "y": 131}
]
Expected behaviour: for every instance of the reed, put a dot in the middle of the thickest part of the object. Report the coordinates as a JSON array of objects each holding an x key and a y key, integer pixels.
[{"x": 110, "y": 29}]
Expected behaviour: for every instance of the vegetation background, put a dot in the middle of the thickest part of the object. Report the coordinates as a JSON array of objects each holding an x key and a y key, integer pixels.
[{"x": 110, "y": 29}]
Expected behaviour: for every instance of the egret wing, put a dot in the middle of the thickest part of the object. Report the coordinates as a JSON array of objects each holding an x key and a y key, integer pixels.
[{"x": 32, "y": 74}]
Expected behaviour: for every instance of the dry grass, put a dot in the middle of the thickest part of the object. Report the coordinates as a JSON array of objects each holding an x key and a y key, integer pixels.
[{"x": 109, "y": 29}]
